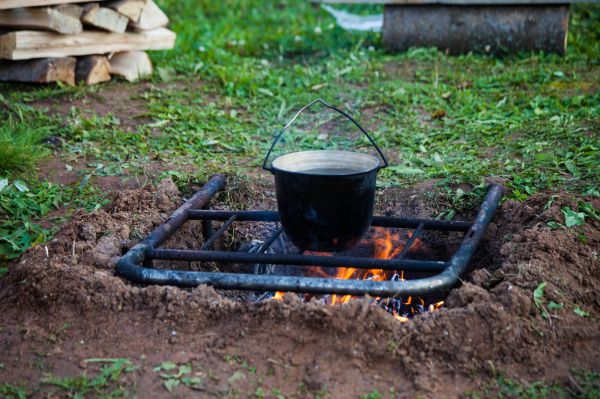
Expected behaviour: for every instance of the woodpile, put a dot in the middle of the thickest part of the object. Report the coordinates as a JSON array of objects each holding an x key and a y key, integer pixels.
[{"x": 72, "y": 41}]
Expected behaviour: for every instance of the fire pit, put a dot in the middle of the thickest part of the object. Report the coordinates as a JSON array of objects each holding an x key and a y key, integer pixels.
[{"x": 136, "y": 264}]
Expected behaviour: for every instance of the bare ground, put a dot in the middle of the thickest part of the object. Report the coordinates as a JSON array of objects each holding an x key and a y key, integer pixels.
[
  {"x": 62, "y": 303},
  {"x": 65, "y": 304}
]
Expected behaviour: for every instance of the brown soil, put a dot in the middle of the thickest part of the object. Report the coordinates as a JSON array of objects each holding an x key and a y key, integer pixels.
[
  {"x": 62, "y": 303},
  {"x": 120, "y": 99}
]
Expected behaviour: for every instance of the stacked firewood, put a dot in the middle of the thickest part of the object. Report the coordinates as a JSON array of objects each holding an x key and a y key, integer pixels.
[{"x": 73, "y": 41}]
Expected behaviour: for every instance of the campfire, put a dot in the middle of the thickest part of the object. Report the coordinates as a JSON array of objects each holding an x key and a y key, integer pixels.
[
  {"x": 325, "y": 202},
  {"x": 400, "y": 271},
  {"x": 385, "y": 245}
]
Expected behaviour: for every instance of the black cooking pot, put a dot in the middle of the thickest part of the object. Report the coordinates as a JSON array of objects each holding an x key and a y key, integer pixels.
[{"x": 325, "y": 198}]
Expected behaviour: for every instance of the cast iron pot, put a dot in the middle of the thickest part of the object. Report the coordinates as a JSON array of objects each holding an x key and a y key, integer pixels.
[{"x": 325, "y": 198}]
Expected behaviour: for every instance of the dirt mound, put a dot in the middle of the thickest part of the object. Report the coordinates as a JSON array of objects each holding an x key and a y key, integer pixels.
[{"x": 490, "y": 324}]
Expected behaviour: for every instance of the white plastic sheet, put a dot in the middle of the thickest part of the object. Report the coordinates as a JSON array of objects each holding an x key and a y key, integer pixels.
[{"x": 349, "y": 21}]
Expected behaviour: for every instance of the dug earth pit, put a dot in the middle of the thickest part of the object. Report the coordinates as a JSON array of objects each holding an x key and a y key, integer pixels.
[{"x": 489, "y": 326}]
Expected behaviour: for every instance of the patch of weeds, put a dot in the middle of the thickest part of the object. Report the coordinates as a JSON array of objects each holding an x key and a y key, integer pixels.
[
  {"x": 56, "y": 334},
  {"x": 10, "y": 391},
  {"x": 581, "y": 384},
  {"x": 21, "y": 204},
  {"x": 580, "y": 312},
  {"x": 22, "y": 132},
  {"x": 508, "y": 388},
  {"x": 376, "y": 395},
  {"x": 589, "y": 210},
  {"x": 107, "y": 383},
  {"x": 174, "y": 375},
  {"x": 545, "y": 306},
  {"x": 373, "y": 395},
  {"x": 259, "y": 393},
  {"x": 584, "y": 384},
  {"x": 449, "y": 202},
  {"x": 553, "y": 224},
  {"x": 574, "y": 218},
  {"x": 322, "y": 393},
  {"x": 237, "y": 360},
  {"x": 540, "y": 301},
  {"x": 18, "y": 205}
]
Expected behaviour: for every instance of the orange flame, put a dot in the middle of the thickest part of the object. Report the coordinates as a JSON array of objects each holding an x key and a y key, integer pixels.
[{"x": 386, "y": 246}]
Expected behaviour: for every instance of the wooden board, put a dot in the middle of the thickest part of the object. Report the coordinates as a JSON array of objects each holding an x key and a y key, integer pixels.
[
  {"x": 44, "y": 70},
  {"x": 104, "y": 18},
  {"x": 45, "y": 18},
  {"x": 8, "y": 4},
  {"x": 92, "y": 69},
  {"x": 73, "y": 10},
  {"x": 131, "y": 65},
  {"x": 132, "y": 9},
  {"x": 152, "y": 18},
  {"x": 22, "y": 45}
]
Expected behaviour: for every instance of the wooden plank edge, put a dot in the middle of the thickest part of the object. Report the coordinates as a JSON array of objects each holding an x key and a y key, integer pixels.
[
  {"x": 9, "y": 4},
  {"x": 85, "y": 43}
]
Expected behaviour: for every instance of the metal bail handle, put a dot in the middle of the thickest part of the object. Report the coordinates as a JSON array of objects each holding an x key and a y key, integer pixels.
[{"x": 285, "y": 128}]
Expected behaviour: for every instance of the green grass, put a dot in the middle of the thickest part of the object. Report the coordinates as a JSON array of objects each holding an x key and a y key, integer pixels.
[
  {"x": 21, "y": 142},
  {"x": 241, "y": 68},
  {"x": 582, "y": 384},
  {"x": 107, "y": 382},
  {"x": 10, "y": 391}
]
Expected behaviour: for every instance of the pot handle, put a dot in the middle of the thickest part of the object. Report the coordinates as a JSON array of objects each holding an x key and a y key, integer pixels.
[{"x": 285, "y": 128}]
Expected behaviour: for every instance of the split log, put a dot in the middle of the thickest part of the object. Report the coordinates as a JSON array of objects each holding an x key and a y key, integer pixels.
[
  {"x": 72, "y": 10},
  {"x": 132, "y": 9},
  {"x": 8, "y": 4},
  {"x": 43, "y": 70},
  {"x": 131, "y": 65},
  {"x": 152, "y": 18},
  {"x": 22, "y": 45},
  {"x": 92, "y": 69},
  {"x": 104, "y": 18},
  {"x": 46, "y": 18}
]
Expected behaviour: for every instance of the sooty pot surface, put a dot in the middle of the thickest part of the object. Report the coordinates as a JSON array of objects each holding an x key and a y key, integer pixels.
[{"x": 325, "y": 198}]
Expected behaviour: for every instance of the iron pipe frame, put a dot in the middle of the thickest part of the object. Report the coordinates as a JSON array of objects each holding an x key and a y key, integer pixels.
[{"x": 131, "y": 265}]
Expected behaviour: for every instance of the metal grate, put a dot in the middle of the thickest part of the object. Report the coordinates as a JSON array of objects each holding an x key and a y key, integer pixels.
[{"x": 135, "y": 265}]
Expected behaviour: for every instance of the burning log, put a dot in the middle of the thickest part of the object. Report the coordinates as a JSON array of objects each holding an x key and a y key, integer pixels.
[{"x": 385, "y": 244}]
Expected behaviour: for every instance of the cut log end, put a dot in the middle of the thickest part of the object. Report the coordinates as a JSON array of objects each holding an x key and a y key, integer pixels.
[
  {"x": 45, "y": 70},
  {"x": 152, "y": 17},
  {"x": 104, "y": 18},
  {"x": 92, "y": 69},
  {"x": 131, "y": 65},
  {"x": 132, "y": 9}
]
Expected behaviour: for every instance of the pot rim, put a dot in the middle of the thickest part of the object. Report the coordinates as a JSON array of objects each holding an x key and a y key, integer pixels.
[{"x": 366, "y": 162}]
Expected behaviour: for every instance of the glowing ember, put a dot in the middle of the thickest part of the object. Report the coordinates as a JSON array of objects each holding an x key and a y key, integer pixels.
[
  {"x": 385, "y": 246},
  {"x": 279, "y": 296},
  {"x": 402, "y": 319}
]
